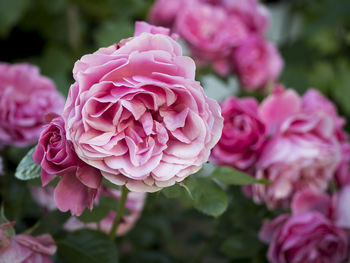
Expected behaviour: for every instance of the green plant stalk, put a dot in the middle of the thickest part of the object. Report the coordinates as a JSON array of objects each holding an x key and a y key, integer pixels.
[{"x": 120, "y": 212}]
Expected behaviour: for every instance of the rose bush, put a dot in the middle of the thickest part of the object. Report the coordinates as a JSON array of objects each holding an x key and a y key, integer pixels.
[
  {"x": 136, "y": 113},
  {"x": 25, "y": 98}
]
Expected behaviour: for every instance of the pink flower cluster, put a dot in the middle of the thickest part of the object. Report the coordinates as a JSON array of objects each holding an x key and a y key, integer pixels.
[
  {"x": 25, "y": 98},
  {"x": 315, "y": 231},
  {"x": 135, "y": 116},
  {"x": 24, "y": 248},
  {"x": 229, "y": 34},
  {"x": 294, "y": 142}
]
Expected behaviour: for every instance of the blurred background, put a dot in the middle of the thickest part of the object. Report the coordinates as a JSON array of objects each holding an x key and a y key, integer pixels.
[{"x": 313, "y": 37}]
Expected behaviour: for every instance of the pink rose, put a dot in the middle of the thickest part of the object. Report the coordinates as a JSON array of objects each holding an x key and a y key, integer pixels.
[
  {"x": 308, "y": 237},
  {"x": 311, "y": 233},
  {"x": 301, "y": 153},
  {"x": 79, "y": 181},
  {"x": 134, "y": 203},
  {"x": 25, "y": 98},
  {"x": 164, "y": 12},
  {"x": 136, "y": 113},
  {"x": 211, "y": 33},
  {"x": 243, "y": 134},
  {"x": 24, "y": 248},
  {"x": 257, "y": 62}
]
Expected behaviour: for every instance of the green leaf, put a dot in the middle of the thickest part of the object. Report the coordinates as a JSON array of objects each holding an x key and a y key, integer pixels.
[
  {"x": 174, "y": 191},
  {"x": 208, "y": 197},
  {"x": 230, "y": 176},
  {"x": 87, "y": 246},
  {"x": 27, "y": 168},
  {"x": 100, "y": 211}
]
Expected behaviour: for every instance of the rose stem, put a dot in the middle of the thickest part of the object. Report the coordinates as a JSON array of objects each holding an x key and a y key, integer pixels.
[{"x": 120, "y": 211}]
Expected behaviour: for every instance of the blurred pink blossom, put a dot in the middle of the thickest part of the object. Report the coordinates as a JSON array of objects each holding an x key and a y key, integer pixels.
[{"x": 25, "y": 98}]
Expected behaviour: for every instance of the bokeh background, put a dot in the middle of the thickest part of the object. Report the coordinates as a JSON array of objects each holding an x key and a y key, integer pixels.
[{"x": 313, "y": 37}]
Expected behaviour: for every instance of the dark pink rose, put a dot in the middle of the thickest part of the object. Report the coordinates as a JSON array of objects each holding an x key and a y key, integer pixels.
[
  {"x": 79, "y": 182},
  {"x": 211, "y": 33},
  {"x": 243, "y": 134},
  {"x": 136, "y": 113},
  {"x": 302, "y": 152},
  {"x": 25, "y": 249},
  {"x": 307, "y": 237},
  {"x": 25, "y": 98},
  {"x": 257, "y": 62},
  {"x": 134, "y": 203}
]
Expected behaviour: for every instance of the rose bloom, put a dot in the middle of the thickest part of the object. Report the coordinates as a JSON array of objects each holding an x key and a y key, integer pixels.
[
  {"x": 25, "y": 98},
  {"x": 134, "y": 203},
  {"x": 307, "y": 237},
  {"x": 243, "y": 134},
  {"x": 257, "y": 62},
  {"x": 311, "y": 233},
  {"x": 24, "y": 248},
  {"x": 79, "y": 182},
  {"x": 210, "y": 33},
  {"x": 302, "y": 151},
  {"x": 136, "y": 113}
]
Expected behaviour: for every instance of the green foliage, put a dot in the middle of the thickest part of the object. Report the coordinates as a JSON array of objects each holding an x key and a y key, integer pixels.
[
  {"x": 229, "y": 176},
  {"x": 208, "y": 197},
  {"x": 27, "y": 169},
  {"x": 9, "y": 231},
  {"x": 87, "y": 246}
]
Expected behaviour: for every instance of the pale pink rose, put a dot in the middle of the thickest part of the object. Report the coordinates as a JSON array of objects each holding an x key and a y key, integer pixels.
[
  {"x": 302, "y": 152},
  {"x": 211, "y": 33},
  {"x": 136, "y": 113},
  {"x": 243, "y": 134},
  {"x": 25, "y": 98},
  {"x": 307, "y": 237},
  {"x": 134, "y": 203},
  {"x": 164, "y": 12},
  {"x": 79, "y": 182},
  {"x": 24, "y": 248},
  {"x": 257, "y": 62}
]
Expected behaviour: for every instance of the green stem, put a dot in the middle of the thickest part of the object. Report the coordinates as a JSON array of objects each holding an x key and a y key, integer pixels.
[{"x": 120, "y": 211}]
